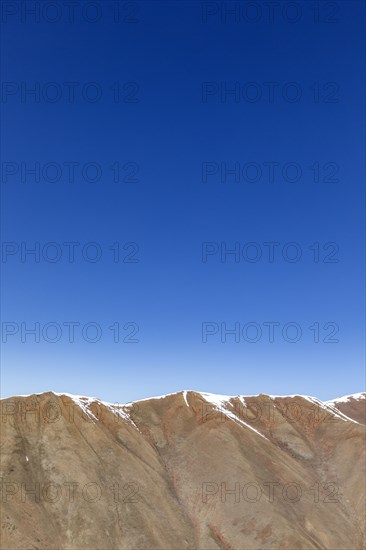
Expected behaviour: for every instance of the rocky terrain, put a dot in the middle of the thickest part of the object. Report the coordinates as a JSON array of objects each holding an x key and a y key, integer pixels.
[{"x": 184, "y": 471}]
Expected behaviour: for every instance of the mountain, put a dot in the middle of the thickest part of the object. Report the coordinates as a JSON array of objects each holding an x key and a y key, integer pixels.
[
  {"x": 188, "y": 470},
  {"x": 353, "y": 406}
]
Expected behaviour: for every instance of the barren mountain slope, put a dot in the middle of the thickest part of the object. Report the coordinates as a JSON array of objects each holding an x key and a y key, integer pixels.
[
  {"x": 353, "y": 406},
  {"x": 184, "y": 471}
]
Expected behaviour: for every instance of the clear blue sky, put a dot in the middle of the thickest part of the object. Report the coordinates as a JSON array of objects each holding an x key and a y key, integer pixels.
[{"x": 167, "y": 98}]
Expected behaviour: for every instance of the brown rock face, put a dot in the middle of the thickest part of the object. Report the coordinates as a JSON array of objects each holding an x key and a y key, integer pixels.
[
  {"x": 185, "y": 471},
  {"x": 353, "y": 406}
]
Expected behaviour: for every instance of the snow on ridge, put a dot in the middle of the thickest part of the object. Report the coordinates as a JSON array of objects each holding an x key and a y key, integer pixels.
[
  {"x": 329, "y": 407},
  {"x": 348, "y": 398},
  {"x": 83, "y": 403},
  {"x": 185, "y": 398},
  {"x": 216, "y": 398},
  {"x": 220, "y": 401},
  {"x": 211, "y": 396},
  {"x": 115, "y": 408}
]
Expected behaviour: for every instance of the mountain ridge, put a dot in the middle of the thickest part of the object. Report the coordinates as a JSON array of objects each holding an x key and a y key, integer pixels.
[
  {"x": 188, "y": 470},
  {"x": 357, "y": 395}
]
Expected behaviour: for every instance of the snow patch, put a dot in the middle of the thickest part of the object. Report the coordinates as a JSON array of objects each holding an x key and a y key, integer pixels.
[
  {"x": 85, "y": 402},
  {"x": 220, "y": 402},
  {"x": 185, "y": 397},
  {"x": 329, "y": 407},
  {"x": 348, "y": 398}
]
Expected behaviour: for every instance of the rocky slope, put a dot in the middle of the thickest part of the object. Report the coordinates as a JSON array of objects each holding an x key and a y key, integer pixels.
[{"x": 185, "y": 471}]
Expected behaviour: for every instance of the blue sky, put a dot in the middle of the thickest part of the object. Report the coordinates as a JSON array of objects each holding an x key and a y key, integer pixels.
[{"x": 133, "y": 130}]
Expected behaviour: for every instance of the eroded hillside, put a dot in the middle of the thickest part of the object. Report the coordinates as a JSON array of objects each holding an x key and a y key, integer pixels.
[{"x": 184, "y": 471}]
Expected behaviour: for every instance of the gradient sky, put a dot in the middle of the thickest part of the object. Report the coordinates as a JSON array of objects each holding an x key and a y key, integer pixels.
[{"x": 167, "y": 116}]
